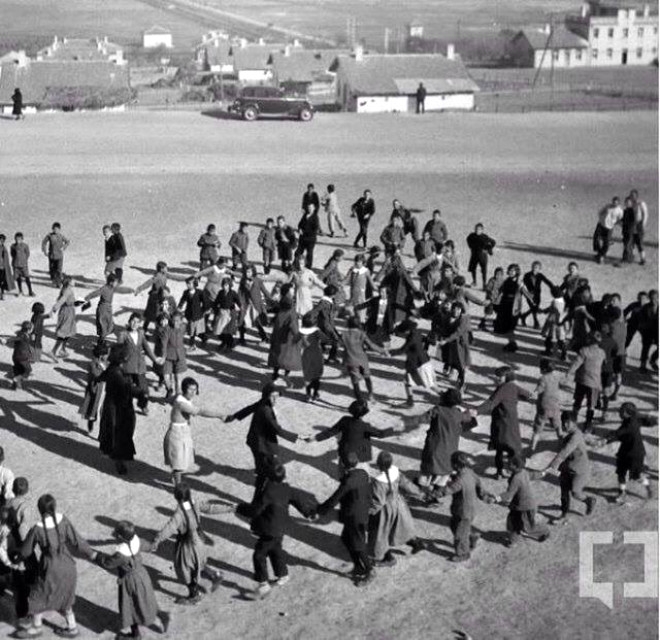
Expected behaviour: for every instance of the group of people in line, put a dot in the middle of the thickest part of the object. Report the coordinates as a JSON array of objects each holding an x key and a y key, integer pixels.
[{"x": 425, "y": 307}]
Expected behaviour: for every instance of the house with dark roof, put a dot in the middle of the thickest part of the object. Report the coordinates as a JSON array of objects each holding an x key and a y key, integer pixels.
[
  {"x": 377, "y": 83},
  {"x": 548, "y": 47},
  {"x": 67, "y": 85},
  {"x": 306, "y": 72}
]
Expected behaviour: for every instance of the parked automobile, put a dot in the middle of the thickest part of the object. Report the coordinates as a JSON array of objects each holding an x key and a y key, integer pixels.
[{"x": 256, "y": 102}]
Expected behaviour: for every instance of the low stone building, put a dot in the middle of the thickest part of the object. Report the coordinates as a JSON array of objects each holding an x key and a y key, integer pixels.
[{"x": 378, "y": 83}]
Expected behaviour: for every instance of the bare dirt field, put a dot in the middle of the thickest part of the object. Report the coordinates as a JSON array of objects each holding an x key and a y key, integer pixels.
[{"x": 535, "y": 180}]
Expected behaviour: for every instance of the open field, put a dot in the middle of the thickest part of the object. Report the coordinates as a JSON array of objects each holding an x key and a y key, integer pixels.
[
  {"x": 535, "y": 180},
  {"x": 124, "y": 20}
]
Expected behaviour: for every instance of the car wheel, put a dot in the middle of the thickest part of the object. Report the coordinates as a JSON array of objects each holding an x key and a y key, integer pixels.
[
  {"x": 306, "y": 115},
  {"x": 250, "y": 114}
]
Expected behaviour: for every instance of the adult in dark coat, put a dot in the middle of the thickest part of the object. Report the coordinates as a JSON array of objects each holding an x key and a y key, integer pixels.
[
  {"x": 648, "y": 328},
  {"x": 17, "y": 106},
  {"x": 354, "y": 498},
  {"x": 309, "y": 229},
  {"x": 364, "y": 208},
  {"x": 263, "y": 433},
  {"x": 503, "y": 408},
  {"x": 270, "y": 521},
  {"x": 465, "y": 489},
  {"x": 354, "y": 434},
  {"x": 481, "y": 246},
  {"x": 394, "y": 277},
  {"x": 510, "y": 306},
  {"x": 446, "y": 424},
  {"x": 323, "y": 316},
  {"x": 285, "y": 341},
  {"x": 118, "y": 414},
  {"x": 533, "y": 281},
  {"x": 456, "y": 342},
  {"x": 310, "y": 197}
]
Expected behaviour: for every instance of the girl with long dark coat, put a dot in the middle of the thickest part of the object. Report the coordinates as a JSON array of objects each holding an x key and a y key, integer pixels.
[
  {"x": 332, "y": 276},
  {"x": 17, "y": 104},
  {"x": 456, "y": 343},
  {"x": 504, "y": 426},
  {"x": 509, "y": 309},
  {"x": 89, "y": 409},
  {"x": 285, "y": 342},
  {"x": 446, "y": 424},
  {"x": 118, "y": 414},
  {"x": 400, "y": 290},
  {"x": 137, "y": 601},
  {"x": 391, "y": 524},
  {"x": 55, "y": 587}
]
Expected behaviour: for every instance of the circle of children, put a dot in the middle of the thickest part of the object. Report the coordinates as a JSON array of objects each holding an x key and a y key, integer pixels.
[{"x": 360, "y": 309}]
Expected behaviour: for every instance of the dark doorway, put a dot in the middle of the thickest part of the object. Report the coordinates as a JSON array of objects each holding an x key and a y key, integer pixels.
[{"x": 624, "y": 56}]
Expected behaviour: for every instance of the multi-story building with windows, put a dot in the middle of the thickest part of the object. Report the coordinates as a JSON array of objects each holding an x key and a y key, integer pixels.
[{"x": 618, "y": 33}]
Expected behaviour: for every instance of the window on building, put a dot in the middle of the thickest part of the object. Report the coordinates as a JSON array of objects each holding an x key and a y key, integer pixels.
[
  {"x": 640, "y": 52},
  {"x": 655, "y": 31},
  {"x": 594, "y": 54},
  {"x": 578, "y": 54},
  {"x": 654, "y": 51},
  {"x": 567, "y": 57},
  {"x": 555, "y": 54},
  {"x": 625, "y": 33},
  {"x": 609, "y": 54},
  {"x": 640, "y": 32},
  {"x": 596, "y": 33},
  {"x": 610, "y": 33}
]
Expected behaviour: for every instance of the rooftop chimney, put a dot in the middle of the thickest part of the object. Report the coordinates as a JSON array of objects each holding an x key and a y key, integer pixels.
[
  {"x": 297, "y": 43},
  {"x": 358, "y": 52},
  {"x": 287, "y": 50},
  {"x": 647, "y": 10},
  {"x": 261, "y": 42},
  {"x": 546, "y": 29},
  {"x": 451, "y": 52}
]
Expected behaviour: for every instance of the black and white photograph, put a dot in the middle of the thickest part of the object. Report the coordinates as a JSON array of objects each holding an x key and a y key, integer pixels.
[{"x": 329, "y": 319}]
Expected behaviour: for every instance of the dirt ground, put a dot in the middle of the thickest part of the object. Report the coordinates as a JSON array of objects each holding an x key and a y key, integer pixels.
[{"x": 536, "y": 181}]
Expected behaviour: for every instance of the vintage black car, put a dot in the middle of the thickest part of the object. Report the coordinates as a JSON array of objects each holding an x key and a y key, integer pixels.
[{"x": 257, "y": 102}]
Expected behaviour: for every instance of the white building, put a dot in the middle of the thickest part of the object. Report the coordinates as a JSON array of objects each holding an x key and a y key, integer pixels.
[
  {"x": 82, "y": 49},
  {"x": 157, "y": 37},
  {"x": 388, "y": 83},
  {"x": 618, "y": 33},
  {"x": 548, "y": 47}
]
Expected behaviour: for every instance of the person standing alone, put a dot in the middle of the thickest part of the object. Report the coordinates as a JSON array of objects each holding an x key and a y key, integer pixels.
[{"x": 421, "y": 98}]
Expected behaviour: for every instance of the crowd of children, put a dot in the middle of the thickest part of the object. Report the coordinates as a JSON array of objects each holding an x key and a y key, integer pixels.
[{"x": 356, "y": 317}]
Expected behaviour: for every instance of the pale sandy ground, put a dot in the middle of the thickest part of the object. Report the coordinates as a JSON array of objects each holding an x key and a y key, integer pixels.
[{"x": 535, "y": 180}]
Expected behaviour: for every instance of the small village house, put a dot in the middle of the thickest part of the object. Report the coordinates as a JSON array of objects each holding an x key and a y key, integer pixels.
[
  {"x": 305, "y": 72},
  {"x": 378, "y": 83},
  {"x": 618, "y": 33},
  {"x": 157, "y": 37},
  {"x": 548, "y": 47},
  {"x": 251, "y": 61}
]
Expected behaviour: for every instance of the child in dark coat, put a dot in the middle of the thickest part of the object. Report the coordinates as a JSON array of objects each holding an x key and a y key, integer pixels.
[
  {"x": 137, "y": 601},
  {"x": 522, "y": 505},
  {"x": 192, "y": 303},
  {"x": 20, "y": 255},
  {"x": 268, "y": 244},
  {"x": 631, "y": 453},
  {"x": 89, "y": 409},
  {"x": 270, "y": 519},
  {"x": 175, "y": 353},
  {"x": 22, "y": 357}
]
